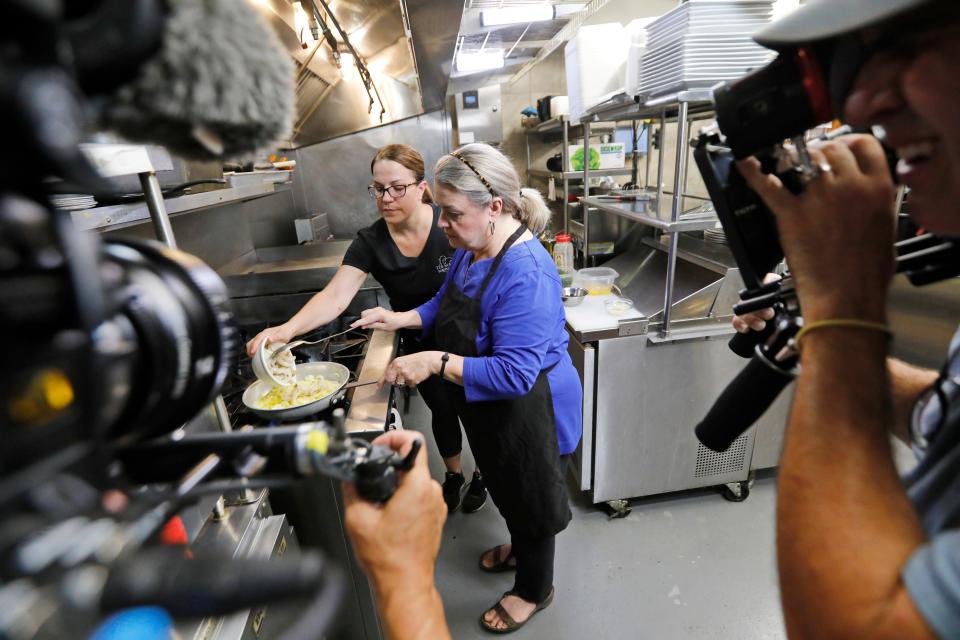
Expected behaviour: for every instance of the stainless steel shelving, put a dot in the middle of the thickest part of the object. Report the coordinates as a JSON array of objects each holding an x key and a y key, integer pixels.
[
  {"x": 647, "y": 212},
  {"x": 681, "y": 107},
  {"x": 121, "y": 215},
  {"x": 563, "y": 130},
  {"x": 578, "y": 175}
]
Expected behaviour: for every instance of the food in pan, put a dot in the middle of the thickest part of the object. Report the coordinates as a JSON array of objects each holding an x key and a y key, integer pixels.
[
  {"x": 301, "y": 392},
  {"x": 283, "y": 367}
]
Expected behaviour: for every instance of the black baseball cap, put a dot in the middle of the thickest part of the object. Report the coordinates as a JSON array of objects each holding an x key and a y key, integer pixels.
[{"x": 825, "y": 19}]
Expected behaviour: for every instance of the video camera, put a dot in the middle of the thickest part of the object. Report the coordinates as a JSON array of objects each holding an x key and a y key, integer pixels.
[
  {"x": 111, "y": 346},
  {"x": 756, "y": 115}
]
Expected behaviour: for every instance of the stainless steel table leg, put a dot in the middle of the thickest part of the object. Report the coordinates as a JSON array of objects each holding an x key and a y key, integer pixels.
[
  {"x": 676, "y": 209},
  {"x": 158, "y": 212}
]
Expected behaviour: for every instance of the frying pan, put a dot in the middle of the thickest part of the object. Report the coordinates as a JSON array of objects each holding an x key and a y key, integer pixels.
[{"x": 329, "y": 370}]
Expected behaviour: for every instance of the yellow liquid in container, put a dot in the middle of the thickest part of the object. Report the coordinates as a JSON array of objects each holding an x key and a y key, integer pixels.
[{"x": 598, "y": 290}]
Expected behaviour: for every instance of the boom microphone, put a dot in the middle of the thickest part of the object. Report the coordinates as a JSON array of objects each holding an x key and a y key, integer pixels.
[{"x": 221, "y": 84}]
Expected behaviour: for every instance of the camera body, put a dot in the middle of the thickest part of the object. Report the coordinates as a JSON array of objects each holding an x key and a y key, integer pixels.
[{"x": 755, "y": 115}]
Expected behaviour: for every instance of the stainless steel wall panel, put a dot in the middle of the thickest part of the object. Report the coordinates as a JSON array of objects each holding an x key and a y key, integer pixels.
[
  {"x": 483, "y": 124},
  {"x": 332, "y": 176},
  {"x": 223, "y": 234}
]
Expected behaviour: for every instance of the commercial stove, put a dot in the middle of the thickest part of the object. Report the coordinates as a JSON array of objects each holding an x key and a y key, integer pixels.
[{"x": 309, "y": 512}]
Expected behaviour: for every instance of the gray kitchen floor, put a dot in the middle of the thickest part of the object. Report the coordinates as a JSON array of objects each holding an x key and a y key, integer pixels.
[{"x": 688, "y": 565}]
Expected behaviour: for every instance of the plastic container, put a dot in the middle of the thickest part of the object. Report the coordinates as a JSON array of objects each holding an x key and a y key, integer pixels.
[
  {"x": 563, "y": 252},
  {"x": 598, "y": 281}
]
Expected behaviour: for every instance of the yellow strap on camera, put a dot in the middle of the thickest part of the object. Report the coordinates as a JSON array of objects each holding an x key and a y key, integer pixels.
[{"x": 843, "y": 323}]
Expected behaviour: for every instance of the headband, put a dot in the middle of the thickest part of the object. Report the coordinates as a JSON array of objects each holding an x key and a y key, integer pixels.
[{"x": 477, "y": 173}]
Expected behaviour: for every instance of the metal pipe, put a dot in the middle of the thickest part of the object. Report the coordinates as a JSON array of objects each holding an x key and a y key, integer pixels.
[
  {"x": 526, "y": 141},
  {"x": 586, "y": 193},
  {"x": 663, "y": 140},
  {"x": 564, "y": 155},
  {"x": 646, "y": 177},
  {"x": 158, "y": 212},
  {"x": 223, "y": 416},
  {"x": 527, "y": 28},
  {"x": 680, "y": 171}
]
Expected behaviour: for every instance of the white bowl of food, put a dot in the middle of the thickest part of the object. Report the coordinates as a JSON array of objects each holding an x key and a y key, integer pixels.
[{"x": 274, "y": 370}]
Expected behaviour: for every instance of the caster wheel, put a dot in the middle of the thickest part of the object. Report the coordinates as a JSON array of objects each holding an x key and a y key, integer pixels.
[
  {"x": 735, "y": 491},
  {"x": 616, "y": 508}
]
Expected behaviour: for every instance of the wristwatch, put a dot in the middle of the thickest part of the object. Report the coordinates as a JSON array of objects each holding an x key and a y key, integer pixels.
[{"x": 444, "y": 359}]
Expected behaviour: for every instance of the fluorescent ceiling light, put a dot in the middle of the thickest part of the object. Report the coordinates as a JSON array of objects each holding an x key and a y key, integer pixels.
[
  {"x": 564, "y": 10},
  {"x": 515, "y": 15},
  {"x": 470, "y": 61}
]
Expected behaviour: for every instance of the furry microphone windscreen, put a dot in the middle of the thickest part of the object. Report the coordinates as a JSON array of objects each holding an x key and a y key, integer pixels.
[{"x": 221, "y": 85}]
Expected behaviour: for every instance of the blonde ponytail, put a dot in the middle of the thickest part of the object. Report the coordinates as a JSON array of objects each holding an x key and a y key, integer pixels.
[{"x": 533, "y": 211}]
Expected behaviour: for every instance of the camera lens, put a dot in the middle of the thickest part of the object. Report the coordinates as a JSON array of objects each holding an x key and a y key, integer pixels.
[{"x": 169, "y": 343}]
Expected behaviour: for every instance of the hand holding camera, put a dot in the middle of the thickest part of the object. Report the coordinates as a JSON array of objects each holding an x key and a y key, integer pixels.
[{"x": 837, "y": 234}]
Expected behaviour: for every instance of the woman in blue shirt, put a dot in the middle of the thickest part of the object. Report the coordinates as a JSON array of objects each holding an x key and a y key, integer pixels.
[{"x": 498, "y": 322}]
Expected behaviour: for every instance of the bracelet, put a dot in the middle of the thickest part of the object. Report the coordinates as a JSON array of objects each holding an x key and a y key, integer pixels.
[
  {"x": 443, "y": 363},
  {"x": 843, "y": 323}
]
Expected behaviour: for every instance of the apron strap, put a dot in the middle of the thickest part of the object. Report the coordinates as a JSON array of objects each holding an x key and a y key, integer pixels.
[{"x": 496, "y": 261}]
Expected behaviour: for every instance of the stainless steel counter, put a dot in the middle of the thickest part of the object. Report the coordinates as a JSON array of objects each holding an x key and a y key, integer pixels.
[
  {"x": 370, "y": 407},
  {"x": 645, "y": 389},
  {"x": 248, "y": 529}
]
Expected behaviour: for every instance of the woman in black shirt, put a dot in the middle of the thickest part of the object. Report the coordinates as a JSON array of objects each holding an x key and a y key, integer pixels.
[{"x": 409, "y": 256}]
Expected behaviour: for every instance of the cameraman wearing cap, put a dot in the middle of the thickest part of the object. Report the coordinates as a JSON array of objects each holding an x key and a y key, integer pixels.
[{"x": 863, "y": 553}]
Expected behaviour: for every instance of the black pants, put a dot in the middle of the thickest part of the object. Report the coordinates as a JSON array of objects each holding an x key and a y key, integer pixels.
[
  {"x": 444, "y": 420},
  {"x": 535, "y": 561},
  {"x": 446, "y": 425},
  {"x": 534, "y": 566}
]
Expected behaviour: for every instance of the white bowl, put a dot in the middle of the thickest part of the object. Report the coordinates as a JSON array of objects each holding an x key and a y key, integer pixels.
[{"x": 259, "y": 363}]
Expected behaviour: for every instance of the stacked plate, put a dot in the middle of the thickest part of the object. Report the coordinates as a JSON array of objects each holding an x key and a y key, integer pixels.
[
  {"x": 703, "y": 42},
  {"x": 716, "y": 236},
  {"x": 73, "y": 201}
]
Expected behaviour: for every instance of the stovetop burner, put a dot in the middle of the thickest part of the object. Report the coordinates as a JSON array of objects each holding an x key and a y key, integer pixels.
[{"x": 348, "y": 350}]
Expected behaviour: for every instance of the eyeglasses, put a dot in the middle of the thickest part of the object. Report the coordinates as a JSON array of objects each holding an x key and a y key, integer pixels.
[{"x": 396, "y": 191}]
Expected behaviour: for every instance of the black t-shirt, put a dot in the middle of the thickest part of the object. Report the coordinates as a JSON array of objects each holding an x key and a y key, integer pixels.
[{"x": 409, "y": 282}]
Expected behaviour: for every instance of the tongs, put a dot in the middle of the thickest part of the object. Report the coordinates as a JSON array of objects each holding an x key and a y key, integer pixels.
[{"x": 298, "y": 343}]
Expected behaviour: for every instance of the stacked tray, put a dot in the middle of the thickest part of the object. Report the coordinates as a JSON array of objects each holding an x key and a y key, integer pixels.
[
  {"x": 703, "y": 42},
  {"x": 73, "y": 201}
]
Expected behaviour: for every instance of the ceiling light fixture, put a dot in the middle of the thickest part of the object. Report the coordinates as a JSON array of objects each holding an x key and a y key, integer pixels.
[
  {"x": 473, "y": 61},
  {"x": 568, "y": 9},
  {"x": 516, "y": 15}
]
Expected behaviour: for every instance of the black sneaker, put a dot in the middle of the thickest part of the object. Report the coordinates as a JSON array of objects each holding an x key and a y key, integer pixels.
[
  {"x": 476, "y": 494},
  {"x": 453, "y": 490}
]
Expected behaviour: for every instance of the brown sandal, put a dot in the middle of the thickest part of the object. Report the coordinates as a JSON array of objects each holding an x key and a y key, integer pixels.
[
  {"x": 512, "y": 625},
  {"x": 500, "y": 565}
]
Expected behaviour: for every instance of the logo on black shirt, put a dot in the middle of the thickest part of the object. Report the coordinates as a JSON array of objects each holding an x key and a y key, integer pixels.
[{"x": 443, "y": 264}]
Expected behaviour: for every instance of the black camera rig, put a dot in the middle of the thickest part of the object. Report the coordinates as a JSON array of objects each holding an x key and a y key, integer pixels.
[{"x": 799, "y": 90}]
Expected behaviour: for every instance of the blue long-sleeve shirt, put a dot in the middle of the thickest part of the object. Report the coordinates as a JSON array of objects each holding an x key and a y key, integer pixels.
[{"x": 521, "y": 333}]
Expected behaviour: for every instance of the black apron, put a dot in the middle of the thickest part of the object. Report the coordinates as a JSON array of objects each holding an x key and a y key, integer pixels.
[{"x": 513, "y": 441}]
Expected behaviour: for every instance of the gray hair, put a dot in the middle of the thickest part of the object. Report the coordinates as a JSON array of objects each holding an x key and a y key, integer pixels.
[{"x": 481, "y": 173}]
